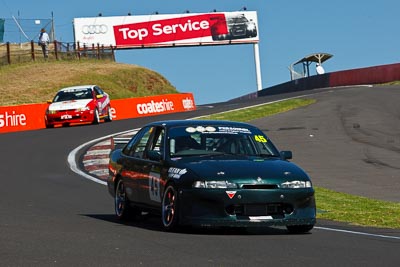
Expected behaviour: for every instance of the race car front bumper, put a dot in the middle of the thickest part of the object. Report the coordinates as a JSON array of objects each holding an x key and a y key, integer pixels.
[{"x": 247, "y": 208}]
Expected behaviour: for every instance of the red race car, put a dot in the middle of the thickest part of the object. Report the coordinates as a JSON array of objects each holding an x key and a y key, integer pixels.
[{"x": 78, "y": 104}]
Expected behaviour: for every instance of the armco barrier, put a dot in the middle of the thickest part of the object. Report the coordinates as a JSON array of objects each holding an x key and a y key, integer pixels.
[
  {"x": 31, "y": 117},
  {"x": 22, "y": 118},
  {"x": 370, "y": 75},
  {"x": 155, "y": 105},
  {"x": 312, "y": 82}
]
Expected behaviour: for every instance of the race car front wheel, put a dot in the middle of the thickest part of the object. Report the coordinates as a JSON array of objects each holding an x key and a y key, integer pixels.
[{"x": 170, "y": 205}]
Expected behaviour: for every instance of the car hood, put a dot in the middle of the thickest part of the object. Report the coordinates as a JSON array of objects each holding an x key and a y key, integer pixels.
[
  {"x": 68, "y": 105},
  {"x": 273, "y": 169}
]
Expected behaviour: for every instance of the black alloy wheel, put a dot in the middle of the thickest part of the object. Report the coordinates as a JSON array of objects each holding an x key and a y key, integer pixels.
[{"x": 170, "y": 206}]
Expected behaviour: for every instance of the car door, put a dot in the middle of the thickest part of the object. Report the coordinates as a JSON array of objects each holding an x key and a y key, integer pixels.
[
  {"x": 131, "y": 162},
  {"x": 141, "y": 170},
  {"x": 101, "y": 99},
  {"x": 151, "y": 185}
]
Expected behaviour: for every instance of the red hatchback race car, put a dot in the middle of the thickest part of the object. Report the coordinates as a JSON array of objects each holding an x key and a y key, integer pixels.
[{"x": 78, "y": 104}]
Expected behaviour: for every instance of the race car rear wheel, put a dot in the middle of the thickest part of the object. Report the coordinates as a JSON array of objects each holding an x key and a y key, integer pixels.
[
  {"x": 123, "y": 209},
  {"x": 96, "y": 117},
  {"x": 170, "y": 206},
  {"x": 299, "y": 229}
]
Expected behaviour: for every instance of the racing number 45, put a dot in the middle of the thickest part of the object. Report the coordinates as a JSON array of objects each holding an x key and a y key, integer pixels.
[
  {"x": 260, "y": 138},
  {"x": 154, "y": 186}
]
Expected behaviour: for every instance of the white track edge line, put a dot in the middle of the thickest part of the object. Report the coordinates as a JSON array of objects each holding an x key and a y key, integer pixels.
[{"x": 356, "y": 233}]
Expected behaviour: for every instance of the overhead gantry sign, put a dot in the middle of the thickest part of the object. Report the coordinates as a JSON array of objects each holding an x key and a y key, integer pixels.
[{"x": 168, "y": 30}]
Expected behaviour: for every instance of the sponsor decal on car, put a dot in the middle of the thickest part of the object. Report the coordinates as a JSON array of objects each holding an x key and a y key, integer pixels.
[
  {"x": 66, "y": 117},
  {"x": 234, "y": 130},
  {"x": 200, "y": 129},
  {"x": 260, "y": 218},
  {"x": 176, "y": 173},
  {"x": 231, "y": 194},
  {"x": 104, "y": 104}
]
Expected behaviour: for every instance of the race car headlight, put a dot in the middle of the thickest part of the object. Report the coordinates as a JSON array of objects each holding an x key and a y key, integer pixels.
[
  {"x": 83, "y": 109},
  {"x": 251, "y": 27},
  {"x": 296, "y": 184},
  {"x": 214, "y": 184},
  {"x": 51, "y": 111}
]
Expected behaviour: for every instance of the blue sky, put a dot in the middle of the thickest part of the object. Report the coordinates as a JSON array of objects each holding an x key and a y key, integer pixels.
[{"x": 357, "y": 33}]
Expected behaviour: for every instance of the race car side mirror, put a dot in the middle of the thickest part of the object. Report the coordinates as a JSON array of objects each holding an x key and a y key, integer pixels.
[
  {"x": 286, "y": 155},
  {"x": 154, "y": 155}
]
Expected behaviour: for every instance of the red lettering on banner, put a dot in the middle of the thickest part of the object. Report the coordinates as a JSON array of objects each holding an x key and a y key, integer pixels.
[{"x": 169, "y": 30}]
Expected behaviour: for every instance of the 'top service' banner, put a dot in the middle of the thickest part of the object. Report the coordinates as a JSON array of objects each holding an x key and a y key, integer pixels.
[{"x": 168, "y": 30}]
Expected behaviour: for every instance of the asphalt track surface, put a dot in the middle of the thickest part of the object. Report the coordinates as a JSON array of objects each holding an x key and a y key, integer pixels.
[{"x": 348, "y": 141}]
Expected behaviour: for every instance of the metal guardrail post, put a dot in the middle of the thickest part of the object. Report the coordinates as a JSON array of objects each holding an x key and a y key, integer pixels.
[
  {"x": 8, "y": 53},
  {"x": 55, "y": 49},
  {"x": 112, "y": 53},
  {"x": 33, "y": 50},
  {"x": 77, "y": 50}
]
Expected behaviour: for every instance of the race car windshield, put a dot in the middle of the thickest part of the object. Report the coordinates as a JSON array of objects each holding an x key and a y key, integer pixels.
[
  {"x": 219, "y": 140},
  {"x": 73, "y": 95}
]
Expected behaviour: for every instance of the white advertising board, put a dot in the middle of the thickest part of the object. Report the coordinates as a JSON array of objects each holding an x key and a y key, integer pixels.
[{"x": 159, "y": 30}]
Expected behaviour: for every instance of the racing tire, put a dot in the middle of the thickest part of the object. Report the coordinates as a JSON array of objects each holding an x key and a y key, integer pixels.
[
  {"x": 109, "y": 115},
  {"x": 48, "y": 126},
  {"x": 123, "y": 208},
  {"x": 170, "y": 209},
  {"x": 299, "y": 229},
  {"x": 96, "y": 117}
]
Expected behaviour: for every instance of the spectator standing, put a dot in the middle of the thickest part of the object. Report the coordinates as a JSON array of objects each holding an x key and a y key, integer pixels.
[
  {"x": 43, "y": 42},
  {"x": 319, "y": 69}
]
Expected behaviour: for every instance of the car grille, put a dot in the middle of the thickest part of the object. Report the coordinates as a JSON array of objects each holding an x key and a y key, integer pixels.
[
  {"x": 259, "y": 186},
  {"x": 271, "y": 209},
  {"x": 238, "y": 30}
]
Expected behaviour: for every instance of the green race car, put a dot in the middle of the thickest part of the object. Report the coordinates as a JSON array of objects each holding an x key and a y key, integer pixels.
[{"x": 210, "y": 173}]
